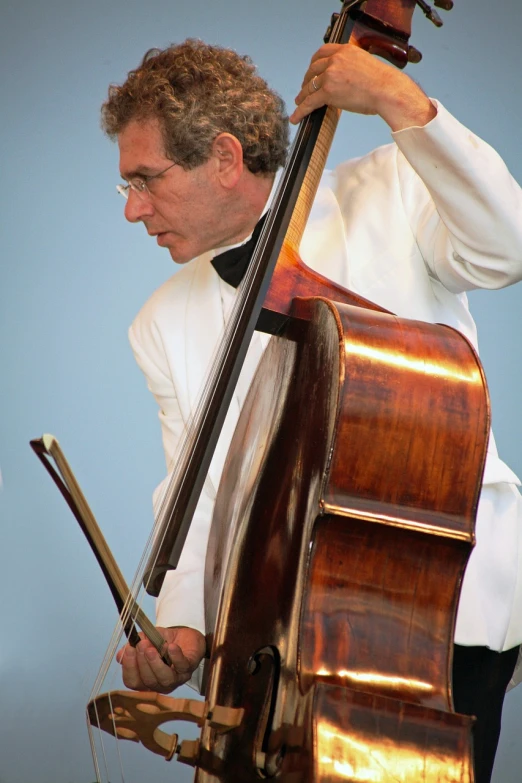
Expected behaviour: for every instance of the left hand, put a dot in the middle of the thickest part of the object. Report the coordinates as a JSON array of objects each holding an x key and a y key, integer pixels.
[{"x": 350, "y": 78}]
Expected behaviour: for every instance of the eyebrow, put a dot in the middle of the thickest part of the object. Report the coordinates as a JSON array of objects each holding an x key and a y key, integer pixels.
[{"x": 145, "y": 171}]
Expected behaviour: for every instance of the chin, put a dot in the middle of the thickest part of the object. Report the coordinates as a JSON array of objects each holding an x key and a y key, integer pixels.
[{"x": 179, "y": 258}]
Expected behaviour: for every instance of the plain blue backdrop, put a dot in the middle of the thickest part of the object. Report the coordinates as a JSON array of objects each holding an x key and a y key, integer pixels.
[{"x": 74, "y": 274}]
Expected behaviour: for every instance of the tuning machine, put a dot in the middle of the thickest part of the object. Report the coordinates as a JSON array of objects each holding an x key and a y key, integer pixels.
[{"x": 430, "y": 12}]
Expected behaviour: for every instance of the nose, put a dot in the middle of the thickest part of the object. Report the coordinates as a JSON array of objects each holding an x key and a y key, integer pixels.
[{"x": 137, "y": 208}]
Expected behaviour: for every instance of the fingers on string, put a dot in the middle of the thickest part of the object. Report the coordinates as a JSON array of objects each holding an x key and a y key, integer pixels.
[
  {"x": 320, "y": 59},
  {"x": 316, "y": 68},
  {"x": 309, "y": 99}
]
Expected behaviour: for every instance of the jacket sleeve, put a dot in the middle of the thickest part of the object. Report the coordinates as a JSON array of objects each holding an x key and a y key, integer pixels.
[
  {"x": 180, "y": 602},
  {"x": 467, "y": 217}
]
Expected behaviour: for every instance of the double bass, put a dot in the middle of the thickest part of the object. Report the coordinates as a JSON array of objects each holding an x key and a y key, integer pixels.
[{"x": 331, "y": 587}]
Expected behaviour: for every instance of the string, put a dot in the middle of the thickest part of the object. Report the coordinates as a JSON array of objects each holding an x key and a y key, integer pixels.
[
  {"x": 131, "y": 612},
  {"x": 93, "y": 748},
  {"x": 136, "y": 594},
  {"x": 193, "y": 425},
  {"x": 118, "y": 744}
]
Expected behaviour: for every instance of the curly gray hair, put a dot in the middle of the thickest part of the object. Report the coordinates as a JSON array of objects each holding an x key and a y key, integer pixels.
[{"x": 198, "y": 91}]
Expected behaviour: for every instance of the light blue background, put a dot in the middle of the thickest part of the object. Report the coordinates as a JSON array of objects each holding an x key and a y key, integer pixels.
[{"x": 73, "y": 276}]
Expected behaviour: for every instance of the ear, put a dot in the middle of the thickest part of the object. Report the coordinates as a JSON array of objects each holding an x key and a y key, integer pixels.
[{"x": 228, "y": 157}]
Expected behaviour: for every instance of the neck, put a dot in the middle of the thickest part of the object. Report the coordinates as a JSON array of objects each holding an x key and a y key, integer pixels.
[{"x": 245, "y": 207}]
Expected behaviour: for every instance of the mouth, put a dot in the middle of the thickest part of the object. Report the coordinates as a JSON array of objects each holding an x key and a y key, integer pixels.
[{"x": 158, "y": 234}]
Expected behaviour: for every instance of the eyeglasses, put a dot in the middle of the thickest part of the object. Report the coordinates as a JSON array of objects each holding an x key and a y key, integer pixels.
[{"x": 140, "y": 185}]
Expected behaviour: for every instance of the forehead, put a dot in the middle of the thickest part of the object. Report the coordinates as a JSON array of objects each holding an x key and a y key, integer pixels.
[{"x": 141, "y": 148}]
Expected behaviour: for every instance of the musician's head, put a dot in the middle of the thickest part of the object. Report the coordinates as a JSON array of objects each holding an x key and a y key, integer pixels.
[
  {"x": 197, "y": 91},
  {"x": 203, "y": 111}
]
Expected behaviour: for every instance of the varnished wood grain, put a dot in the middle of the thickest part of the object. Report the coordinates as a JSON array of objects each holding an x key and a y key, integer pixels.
[
  {"x": 360, "y": 737},
  {"x": 380, "y": 592}
]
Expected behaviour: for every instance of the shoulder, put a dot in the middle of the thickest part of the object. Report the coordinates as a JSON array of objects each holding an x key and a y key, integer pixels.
[
  {"x": 377, "y": 171},
  {"x": 159, "y": 321},
  {"x": 381, "y": 157},
  {"x": 166, "y": 299},
  {"x": 397, "y": 160},
  {"x": 372, "y": 180},
  {"x": 165, "y": 309}
]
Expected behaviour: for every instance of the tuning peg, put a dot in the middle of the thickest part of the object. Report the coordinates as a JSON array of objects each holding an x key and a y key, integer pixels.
[
  {"x": 414, "y": 56},
  {"x": 430, "y": 12},
  {"x": 446, "y": 5}
]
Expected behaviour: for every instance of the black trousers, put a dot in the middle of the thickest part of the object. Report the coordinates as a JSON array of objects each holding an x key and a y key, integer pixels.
[{"x": 480, "y": 679}]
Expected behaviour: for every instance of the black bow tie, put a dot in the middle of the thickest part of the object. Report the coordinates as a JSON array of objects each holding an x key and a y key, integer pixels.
[{"x": 232, "y": 264}]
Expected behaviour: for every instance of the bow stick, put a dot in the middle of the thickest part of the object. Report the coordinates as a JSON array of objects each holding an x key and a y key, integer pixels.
[{"x": 48, "y": 447}]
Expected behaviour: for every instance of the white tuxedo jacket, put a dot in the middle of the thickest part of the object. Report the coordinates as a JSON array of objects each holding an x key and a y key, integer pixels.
[{"x": 411, "y": 226}]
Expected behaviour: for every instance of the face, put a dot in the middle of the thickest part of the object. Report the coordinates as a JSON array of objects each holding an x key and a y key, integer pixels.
[{"x": 183, "y": 209}]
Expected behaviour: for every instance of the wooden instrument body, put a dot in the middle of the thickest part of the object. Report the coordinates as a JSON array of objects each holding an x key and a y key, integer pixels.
[{"x": 343, "y": 524}]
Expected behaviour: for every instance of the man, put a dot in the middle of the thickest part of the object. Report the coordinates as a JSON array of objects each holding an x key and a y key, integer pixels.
[{"x": 411, "y": 226}]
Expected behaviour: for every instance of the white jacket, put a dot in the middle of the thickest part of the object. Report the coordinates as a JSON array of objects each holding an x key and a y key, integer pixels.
[{"x": 411, "y": 226}]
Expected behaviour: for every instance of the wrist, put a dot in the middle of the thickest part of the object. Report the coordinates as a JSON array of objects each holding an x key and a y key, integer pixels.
[{"x": 405, "y": 104}]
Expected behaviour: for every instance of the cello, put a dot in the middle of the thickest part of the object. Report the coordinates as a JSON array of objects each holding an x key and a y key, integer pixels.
[{"x": 314, "y": 549}]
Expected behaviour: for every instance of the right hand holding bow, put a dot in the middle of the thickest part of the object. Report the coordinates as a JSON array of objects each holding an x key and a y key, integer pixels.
[{"x": 143, "y": 669}]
